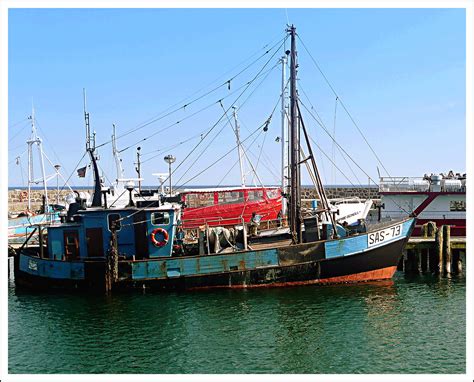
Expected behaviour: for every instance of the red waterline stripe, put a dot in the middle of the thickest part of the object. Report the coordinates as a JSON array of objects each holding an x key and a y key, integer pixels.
[{"x": 378, "y": 274}]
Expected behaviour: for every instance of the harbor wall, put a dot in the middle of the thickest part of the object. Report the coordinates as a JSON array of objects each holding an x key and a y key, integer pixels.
[{"x": 18, "y": 199}]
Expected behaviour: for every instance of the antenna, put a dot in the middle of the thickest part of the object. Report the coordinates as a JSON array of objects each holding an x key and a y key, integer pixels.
[{"x": 86, "y": 120}]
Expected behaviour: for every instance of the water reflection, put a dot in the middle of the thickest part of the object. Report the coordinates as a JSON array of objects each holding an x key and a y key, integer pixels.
[{"x": 312, "y": 329}]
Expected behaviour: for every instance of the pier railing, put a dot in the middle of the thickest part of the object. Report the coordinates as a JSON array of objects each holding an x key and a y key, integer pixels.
[{"x": 420, "y": 184}]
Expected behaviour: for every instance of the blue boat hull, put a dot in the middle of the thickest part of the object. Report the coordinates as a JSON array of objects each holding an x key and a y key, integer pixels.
[{"x": 359, "y": 259}]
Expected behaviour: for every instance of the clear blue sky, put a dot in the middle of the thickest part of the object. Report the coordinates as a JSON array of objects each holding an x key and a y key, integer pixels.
[{"x": 400, "y": 72}]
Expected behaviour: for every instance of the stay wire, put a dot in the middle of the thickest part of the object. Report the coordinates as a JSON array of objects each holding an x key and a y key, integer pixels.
[
  {"x": 217, "y": 79},
  {"x": 222, "y": 116},
  {"x": 237, "y": 161},
  {"x": 26, "y": 123},
  {"x": 218, "y": 160},
  {"x": 335, "y": 142},
  {"x": 75, "y": 168},
  {"x": 153, "y": 120},
  {"x": 212, "y": 128},
  {"x": 343, "y": 105},
  {"x": 188, "y": 117},
  {"x": 157, "y": 201},
  {"x": 201, "y": 154},
  {"x": 321, "y": 123},
  {"x": 369, "y": 177}
]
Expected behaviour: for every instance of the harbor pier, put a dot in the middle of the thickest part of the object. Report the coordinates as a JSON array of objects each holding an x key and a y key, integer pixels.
[{"x": 434, "y": 252}]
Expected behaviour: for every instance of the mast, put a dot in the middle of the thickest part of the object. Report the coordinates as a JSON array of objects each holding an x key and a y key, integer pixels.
[
  {"x": 295, "y": 194},
  {"x": 96, "y": 196},
  {"x": 284, "y": 135},
  {"x": 239, "y": 147},
  {"x": 115, "y": 153},
  {"x": 34, "y": 139}
]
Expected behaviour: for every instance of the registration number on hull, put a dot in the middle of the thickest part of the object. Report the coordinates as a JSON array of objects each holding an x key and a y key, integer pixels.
[{"x": 387, "y": 234}]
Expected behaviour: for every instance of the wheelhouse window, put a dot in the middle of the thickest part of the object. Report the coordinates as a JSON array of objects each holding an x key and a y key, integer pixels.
[
  {"x": 200, "y": 199},
  {"x": 228, "y": 197},
  {"x": 111, "y": 218},
  {"x": 160, "y": 218}
]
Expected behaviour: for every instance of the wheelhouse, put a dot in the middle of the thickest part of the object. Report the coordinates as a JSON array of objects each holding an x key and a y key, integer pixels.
[{"x": 141, "y": 233}]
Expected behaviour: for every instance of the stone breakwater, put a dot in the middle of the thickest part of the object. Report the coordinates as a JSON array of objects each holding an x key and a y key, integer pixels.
[{"x": 18, "y": 198}]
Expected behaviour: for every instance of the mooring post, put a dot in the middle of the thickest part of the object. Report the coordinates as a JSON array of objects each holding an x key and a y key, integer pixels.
[
  {"x": 447, "y": 248},
  {"x": 431, "y": 230},
  {"x": 424, "y": 230},
  {"x": 459, "y": 262},
  {"x": 439, "y": 250},
  {"x": 401, "y": 263}
]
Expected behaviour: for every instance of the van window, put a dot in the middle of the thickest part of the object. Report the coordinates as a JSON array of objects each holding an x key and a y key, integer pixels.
[
  {"x": 200, "y": 199},
  {"x": 255, "y": 195},
  {"x": 229, "y": 197}
]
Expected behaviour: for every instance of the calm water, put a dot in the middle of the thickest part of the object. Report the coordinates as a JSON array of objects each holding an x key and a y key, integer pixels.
[{"x": 410, "y": 325}]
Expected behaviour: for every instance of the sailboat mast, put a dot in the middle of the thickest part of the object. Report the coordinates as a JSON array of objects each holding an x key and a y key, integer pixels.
[
  {"x": 295, "y": 194},
  {"x": 239, "y": 147},
  {"x": 284, "y": 136},
  {"x": 30, "y": 160},
  {"x": 34, "y": 139}
]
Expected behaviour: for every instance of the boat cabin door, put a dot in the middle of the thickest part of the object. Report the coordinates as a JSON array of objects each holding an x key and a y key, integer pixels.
[
  {"x": 95, "y": 242},
  {"x": 71, "y": 244}
]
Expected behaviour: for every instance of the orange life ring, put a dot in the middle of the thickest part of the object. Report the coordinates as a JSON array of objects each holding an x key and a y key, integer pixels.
[
  {"x": 163, "y": 242},
  {"x": 23, "y": 195}
]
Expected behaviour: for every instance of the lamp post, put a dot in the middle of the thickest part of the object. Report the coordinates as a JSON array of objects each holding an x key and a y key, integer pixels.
[
  {"x": 57, "y": 167},
  {"x": 170, "y": 159}
]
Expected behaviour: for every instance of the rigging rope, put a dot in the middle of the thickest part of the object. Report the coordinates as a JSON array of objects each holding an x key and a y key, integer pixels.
[
  {"x": 343, "y": 105},
  {"x": 321, "y": 123},
  {"x": 222, "y": 116},
  {"x": 191, "y": 115},
  {"x": 153, "y": 120}
]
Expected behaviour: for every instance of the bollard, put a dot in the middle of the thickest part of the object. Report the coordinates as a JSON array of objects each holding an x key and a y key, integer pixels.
[
  {"x": 439, "y": 251},
  {"x": 431, "y": 229},
  {"x": 447, "y": 248}
]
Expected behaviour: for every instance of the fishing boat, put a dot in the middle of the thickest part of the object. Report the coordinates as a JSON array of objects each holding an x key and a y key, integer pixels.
[
  {"x": 104, "y": 249},
  {"x": 439, "y": 198}
]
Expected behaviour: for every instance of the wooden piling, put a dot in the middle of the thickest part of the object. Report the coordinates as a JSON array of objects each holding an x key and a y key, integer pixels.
[
  {"x": 447, "y": 248},
  {"x": 431, "y": 229},
  {"x": 424, "y": 260},
  {"x": 439, "y": 250},
  {"x": 459, "y": 262}
]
